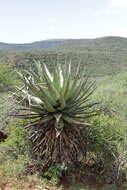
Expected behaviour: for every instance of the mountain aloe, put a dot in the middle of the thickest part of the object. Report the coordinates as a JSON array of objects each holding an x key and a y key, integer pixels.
[{"x": 57, "y": 103}]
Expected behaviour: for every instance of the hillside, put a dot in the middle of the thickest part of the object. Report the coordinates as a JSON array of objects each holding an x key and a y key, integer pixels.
[
  {"x": 101, "y": 56},
  {"x": 104, "y": 42}
]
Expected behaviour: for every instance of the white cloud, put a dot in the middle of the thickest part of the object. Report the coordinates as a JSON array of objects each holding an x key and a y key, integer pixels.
[
  {"x": 117, "y": 3},
  {"x": 109, "y": 12}
]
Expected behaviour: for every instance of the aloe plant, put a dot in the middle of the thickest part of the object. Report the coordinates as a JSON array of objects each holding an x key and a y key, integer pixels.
[{"x": 57, "y": 102}]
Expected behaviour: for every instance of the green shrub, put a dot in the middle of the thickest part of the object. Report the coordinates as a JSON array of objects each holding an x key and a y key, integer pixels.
[
  {"x": 17, "y": 141},
  {"x": 106, "y": 144},
  {"x": 7, "y": 77}
]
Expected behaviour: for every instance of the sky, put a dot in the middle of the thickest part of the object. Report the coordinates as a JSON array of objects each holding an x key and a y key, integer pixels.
[{"x": 23, "y": 21}]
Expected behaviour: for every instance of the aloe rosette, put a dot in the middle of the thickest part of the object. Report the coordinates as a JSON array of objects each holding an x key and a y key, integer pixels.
[{"x": 57, "y": 102}]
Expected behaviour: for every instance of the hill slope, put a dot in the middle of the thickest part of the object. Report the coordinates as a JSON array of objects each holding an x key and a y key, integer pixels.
[
  {"x": 101, "y": 56},
  {"x": 104, "y": 42}
]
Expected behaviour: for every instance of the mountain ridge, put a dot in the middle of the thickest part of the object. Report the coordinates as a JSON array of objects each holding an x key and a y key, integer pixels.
[{"x": 105, "y": 42}]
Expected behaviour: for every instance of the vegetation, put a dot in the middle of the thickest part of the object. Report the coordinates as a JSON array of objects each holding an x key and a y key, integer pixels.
[
  {"x": 58, "y": 105},
  {"x": 105, "y": 140},
  {"x": 7, "y": 77},
  {"x": 101, "y": 56},
  {"x": 76, "y": 44}
]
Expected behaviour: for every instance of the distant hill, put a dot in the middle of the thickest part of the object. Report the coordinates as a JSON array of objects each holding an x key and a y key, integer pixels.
[
  {"x": 101, "y": 56},
  {"x": 104, "y": 42}
]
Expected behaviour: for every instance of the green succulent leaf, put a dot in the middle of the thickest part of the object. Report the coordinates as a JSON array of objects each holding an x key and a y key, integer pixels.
[{"x": 63, "y": 96}]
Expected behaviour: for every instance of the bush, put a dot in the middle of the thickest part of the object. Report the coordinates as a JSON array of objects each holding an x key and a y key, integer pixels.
[
  {"x": 18, "y": 141},
  {"x": 7, "y": 77},
  {"x": 106, "y": 146}
]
